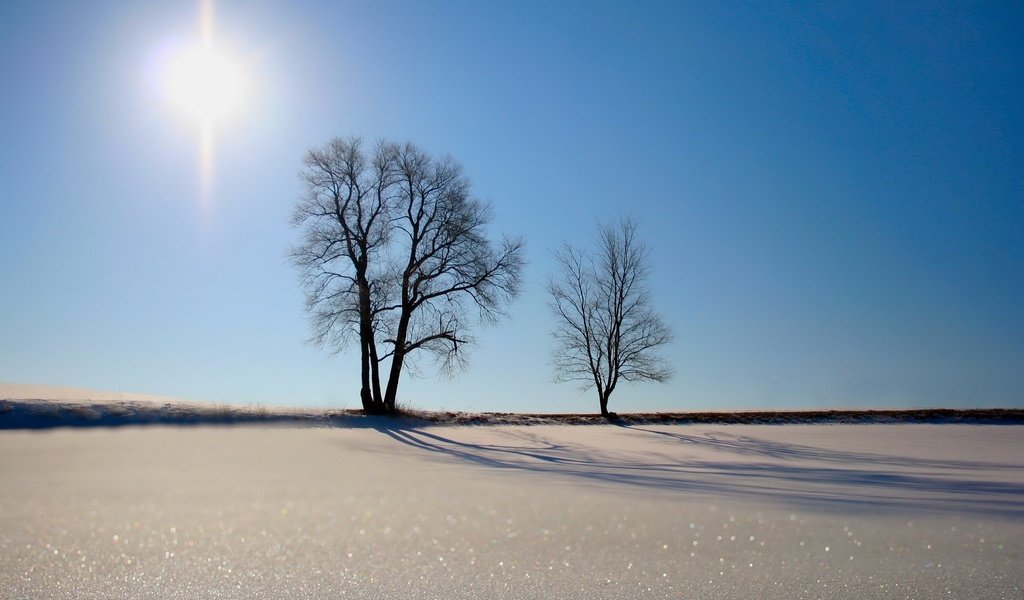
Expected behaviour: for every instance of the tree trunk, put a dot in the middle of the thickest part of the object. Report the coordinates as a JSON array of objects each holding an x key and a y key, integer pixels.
[
  {"x": 391, "y": 393},
  {"x": 366, "y": 398},
  {"x": 364, "y": 372},
  {"x": 375, "y": 375},
  {"x": 370, "y": 377},
  {"x": 604, "y": 404}
]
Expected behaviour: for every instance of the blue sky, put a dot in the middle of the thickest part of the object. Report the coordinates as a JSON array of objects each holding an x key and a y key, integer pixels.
[{"x": 833, "y": 195}]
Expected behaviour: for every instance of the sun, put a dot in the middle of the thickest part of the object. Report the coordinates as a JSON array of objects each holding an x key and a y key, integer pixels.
[{"x": 204, "y": 82}]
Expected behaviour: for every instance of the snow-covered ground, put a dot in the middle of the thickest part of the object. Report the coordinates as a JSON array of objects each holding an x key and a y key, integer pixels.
[
  {"x": 401, "y": 510},
  {"x": 28, "y": 406}
]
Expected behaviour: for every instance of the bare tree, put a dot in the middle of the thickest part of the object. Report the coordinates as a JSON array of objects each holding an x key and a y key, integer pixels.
[
  {"x": 606, "y": 330},
  {"x": 395, "y": 253}
]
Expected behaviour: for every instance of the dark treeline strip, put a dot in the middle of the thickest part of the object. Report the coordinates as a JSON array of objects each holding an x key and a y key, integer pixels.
[{"x": 39, "y": 414}]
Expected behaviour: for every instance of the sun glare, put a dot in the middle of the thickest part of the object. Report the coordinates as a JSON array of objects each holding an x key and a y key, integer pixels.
[{"x": 204, "y": 83}]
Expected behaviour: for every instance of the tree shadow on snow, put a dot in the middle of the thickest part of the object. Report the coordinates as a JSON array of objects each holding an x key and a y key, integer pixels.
[{"x": 745, "y": 467}]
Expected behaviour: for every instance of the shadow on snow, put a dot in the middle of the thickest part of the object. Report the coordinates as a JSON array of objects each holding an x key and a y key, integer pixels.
[{"x": 754, "y": 469}]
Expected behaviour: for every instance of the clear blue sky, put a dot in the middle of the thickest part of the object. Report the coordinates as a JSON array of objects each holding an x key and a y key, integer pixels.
[{"x": 833, "y": 195}]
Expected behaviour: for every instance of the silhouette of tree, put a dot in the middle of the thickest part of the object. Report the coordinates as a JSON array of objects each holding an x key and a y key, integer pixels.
[
  {"x": 606, "y": 330},
  {"x": 395, "y": 254}
]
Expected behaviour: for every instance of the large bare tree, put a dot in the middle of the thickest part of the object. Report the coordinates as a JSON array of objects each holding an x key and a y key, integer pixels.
[
  {"x": 606, "y": 330},
  {"x": 395, "y": 254}
]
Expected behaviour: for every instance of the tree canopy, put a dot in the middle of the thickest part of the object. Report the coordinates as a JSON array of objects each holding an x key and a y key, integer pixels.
[{"x": 396, "y": 255}]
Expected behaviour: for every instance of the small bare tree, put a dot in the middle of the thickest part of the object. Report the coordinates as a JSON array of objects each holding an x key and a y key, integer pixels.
[
  {"x": 395, "y": 253},
  {"x": 606, "y": 330}
]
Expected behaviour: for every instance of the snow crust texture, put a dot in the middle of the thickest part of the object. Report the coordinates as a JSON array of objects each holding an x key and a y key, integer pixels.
[{"x": 617, "y": 512}]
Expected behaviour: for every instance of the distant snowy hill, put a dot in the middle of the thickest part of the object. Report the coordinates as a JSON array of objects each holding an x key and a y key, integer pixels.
[{"x": 28, "y": 391}]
